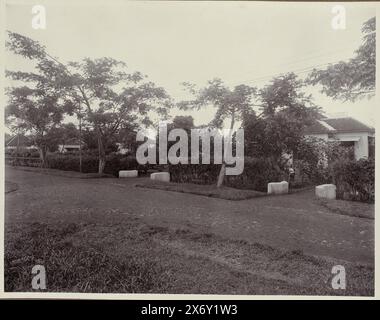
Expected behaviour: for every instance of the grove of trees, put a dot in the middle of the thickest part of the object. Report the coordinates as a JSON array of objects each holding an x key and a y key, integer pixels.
[
  {"x": 112, "y": 102},
  {"x": 111, "y": 98}
]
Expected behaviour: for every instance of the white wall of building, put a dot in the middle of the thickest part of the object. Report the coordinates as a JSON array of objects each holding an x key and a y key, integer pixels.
[{"x": 360, "y": 140}]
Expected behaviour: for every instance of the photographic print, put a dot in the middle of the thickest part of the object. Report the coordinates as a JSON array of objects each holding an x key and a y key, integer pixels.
[{"x": 189, "y": 147}]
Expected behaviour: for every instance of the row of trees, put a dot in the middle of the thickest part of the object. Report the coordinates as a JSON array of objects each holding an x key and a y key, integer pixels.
[{"x": 114, "y": 102}]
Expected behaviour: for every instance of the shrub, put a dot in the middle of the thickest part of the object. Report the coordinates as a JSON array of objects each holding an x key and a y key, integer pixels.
[
  {"x": 312, "y": 173},
  {"x": 194, "y": 173},
  {"x": 23, "y": 152},
  {"x": 355, "y": 180},
  {"x": 256, "y": 175},
  {"x": 71, "y": 163},
  {"x": 313, "y": 158},
  {"x": 258, "y": 172},
  {"x": 114, "y": 163}
]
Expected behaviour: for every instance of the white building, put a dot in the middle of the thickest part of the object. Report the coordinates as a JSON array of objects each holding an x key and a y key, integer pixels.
[
  {"x": 70, "y": 146},
  {"x": 347, "y": 130}
]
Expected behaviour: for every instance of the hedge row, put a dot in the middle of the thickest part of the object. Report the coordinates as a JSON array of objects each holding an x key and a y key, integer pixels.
[
  {"x": 257, "y": 174},
  {"x": 114, "y": 163},
  {"x": 355, "y": 180}
]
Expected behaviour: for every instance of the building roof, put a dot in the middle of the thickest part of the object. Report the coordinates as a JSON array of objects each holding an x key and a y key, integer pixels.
[
  {"x": 336, "y": 125},
  {"x": 72, "y": 141},
  {"x": 19, "y": 140}
]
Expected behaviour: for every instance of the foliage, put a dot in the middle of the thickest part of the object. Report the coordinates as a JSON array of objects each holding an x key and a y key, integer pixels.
[
  {"x": 313, "y": 158},
  {"x": 355, "y": 78},
  {"x": 258, "y": 172},
  {"x": 229, "y": 103},
  {"x": 113, "y": 98},
  {"x": 35, "y": 110},
  {"x": 355, "y": 180},
  {"x": 114, "y": 163},
  {"x": 279, "y": 129},
  {"x": 194, "y": 173},
  {"x": 71, "y": 162},
  {"x": 61, "y": 135},
  {"x": 182, "y": 122}
]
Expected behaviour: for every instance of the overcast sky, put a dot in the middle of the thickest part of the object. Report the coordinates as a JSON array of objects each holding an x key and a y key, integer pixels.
[{"x": 173, "y": 42}]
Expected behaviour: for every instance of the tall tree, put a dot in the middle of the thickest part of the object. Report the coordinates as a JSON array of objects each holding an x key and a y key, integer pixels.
[
  {"x": 111, "y": 96},
  {"x": 285, "y": 112},
  {"x": 36, "y": 111},
  {"x": 230, "y": 104},
  {"x": 355, "y": 78}
]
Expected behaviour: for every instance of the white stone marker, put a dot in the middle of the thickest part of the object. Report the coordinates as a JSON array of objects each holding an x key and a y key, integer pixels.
[
  {"x": 128, "y": 173},
  {"x": 278, "y": 187},
  {"x": 160, "y": 176},
  {"x": 326, "y": 191}
]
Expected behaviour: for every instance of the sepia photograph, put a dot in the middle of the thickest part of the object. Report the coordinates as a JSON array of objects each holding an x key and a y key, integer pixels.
[{"x": 193, "y": 148}]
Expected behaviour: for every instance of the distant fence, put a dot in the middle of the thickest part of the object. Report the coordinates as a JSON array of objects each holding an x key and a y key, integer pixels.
[{"x": 23, "y": 161}]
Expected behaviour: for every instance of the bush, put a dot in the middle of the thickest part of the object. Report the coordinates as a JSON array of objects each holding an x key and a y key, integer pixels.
[
  {"x": 310, "y": 173},
  {"x": 194, "y": 173},
  {"x": 114, "y": 163},
  {"x": 313, "y": 158},
  {"x": 355, "y": 180},
  {"x": 71, "y": 162},
  {"x": 23, "y": 152},
  {"x": 258, "y": 172},
  {"x": 90, "y": 161}
]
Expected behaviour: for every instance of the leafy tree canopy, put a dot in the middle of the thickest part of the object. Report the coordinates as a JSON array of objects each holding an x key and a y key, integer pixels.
[
  {"x": 353, "y": 79},
  {"x": 112, "y": 97},
  {"x": 229, "y": 103},
  {"x": 285, "y": 112}
]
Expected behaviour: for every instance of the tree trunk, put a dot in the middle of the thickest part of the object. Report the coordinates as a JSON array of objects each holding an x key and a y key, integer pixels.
[
  {"x": 80, "y": 144},
  {"x": 102, "y": 164},
  {"x": 102, "y": 155},
  {"x": 43, "y": 156},
  {"x": 222, "y": 171}
]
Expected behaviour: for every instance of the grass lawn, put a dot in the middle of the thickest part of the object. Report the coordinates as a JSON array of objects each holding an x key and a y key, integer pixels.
[
  {"x": 10, "y": 186},
  {"x": 121, "y": 254},
  {"x": 203, "y": 190},
  {"x": 63, "y": 173},
  {"x": 349, "y": 208},
  {"x": 94, "y": 236}
]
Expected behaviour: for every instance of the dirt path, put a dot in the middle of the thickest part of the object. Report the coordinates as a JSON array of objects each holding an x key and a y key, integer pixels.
[{"x": 294, "y": 222}]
